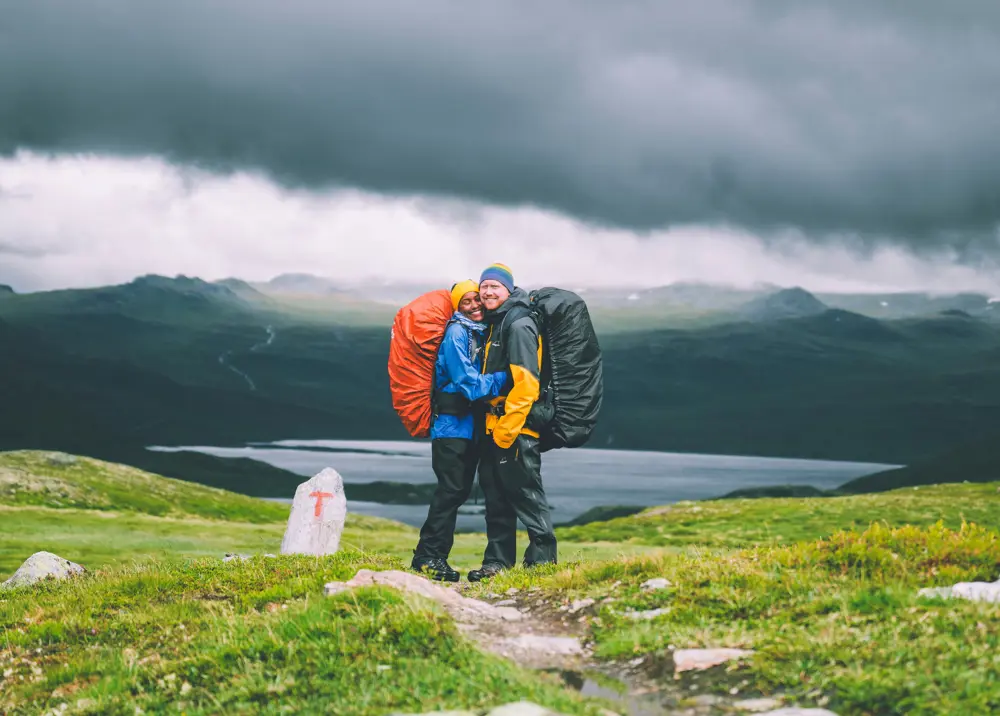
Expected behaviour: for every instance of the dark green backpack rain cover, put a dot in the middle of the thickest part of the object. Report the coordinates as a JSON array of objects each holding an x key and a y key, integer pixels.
[{"x": 572, "y": 376}]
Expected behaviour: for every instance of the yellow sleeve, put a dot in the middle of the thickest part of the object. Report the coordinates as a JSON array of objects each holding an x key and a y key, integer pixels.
[{"x": 525, "y": 352}]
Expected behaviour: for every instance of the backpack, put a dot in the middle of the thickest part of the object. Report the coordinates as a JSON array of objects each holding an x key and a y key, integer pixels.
[
  {"x": 416, "y": 336},
  {"x": 572, "y": 375}
]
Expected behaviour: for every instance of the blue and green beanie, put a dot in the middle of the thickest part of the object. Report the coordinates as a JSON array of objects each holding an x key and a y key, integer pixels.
[{"x": 500, "y": 273}]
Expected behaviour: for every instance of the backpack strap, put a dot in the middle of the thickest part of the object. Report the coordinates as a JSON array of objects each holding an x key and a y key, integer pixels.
[
  {"x": 434, "y": 389},
  {"x": 514, "y": 315}
]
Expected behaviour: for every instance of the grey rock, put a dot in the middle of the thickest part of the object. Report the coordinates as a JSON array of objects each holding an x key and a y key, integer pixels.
[
  {"x": 653, "y": 584},
  {"x": 649, "y": 614},
  {"x": 457, "y": 605},
  {"x": 756, "y": 705},
  {"x": 580, "y": 604},
  {"x": 230, "y": 557},
  {"x": 542, "y": 644},
  {"x": 522, "y": 708},
  {"x": 505, "y": 603},
  {"x": 60, "y": 459},
  {"x": 796, "y": 711},
  {"x": 707, "y": 700},
  {"x": 41, "y": 566},
  {"x": 971, "y": 591},
  {"x": 935, "y": 592},
  {"x": 700, "y": 659}
]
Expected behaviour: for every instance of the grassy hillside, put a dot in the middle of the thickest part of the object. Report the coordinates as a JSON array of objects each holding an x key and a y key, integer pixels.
[
  {"x": 832, "y": 616},
  {"x": 736, "y": 523},
  {"x": 58, "y": 480},
  {"x": 99, "y": 513}
]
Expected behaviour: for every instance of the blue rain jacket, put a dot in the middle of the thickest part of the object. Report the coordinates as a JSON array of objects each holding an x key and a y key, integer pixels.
[{"x": 457, "y": 370}]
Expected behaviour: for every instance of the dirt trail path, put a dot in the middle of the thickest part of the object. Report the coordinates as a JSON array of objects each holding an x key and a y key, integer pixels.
[{"x": 539, "y": 630}]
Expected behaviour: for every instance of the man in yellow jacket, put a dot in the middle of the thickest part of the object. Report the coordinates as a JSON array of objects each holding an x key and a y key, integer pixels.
[{"x": 510, "y": 467}]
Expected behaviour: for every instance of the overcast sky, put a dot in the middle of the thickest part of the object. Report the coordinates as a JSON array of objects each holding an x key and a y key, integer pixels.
[{"x": 832, "y": 143}]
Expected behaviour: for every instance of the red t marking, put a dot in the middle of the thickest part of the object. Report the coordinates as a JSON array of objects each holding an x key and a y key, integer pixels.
[{"x": 320, "y": 496}]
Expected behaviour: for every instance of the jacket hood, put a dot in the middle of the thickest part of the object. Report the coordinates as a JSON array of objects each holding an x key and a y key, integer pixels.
[{"x": 518, "y": 297}]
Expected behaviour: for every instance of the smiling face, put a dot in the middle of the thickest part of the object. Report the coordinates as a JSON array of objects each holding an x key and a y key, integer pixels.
[
  {"x": 471, "y": 306},
  {"x": 493, "y": 294}
]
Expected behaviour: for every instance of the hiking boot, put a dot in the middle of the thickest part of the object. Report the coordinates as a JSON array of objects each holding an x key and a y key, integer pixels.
[
  {"x": 436, "y": 568},
  {"x": 487, "y": 571}
]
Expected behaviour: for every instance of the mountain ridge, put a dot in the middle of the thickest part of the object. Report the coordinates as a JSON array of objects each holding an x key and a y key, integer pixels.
[
  {"x": 834, "y": 385},
  {"x": 793, "y": 302}
]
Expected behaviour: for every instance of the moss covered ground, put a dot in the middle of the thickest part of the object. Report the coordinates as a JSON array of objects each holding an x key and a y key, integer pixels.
[{"x": 824, "y": 591}]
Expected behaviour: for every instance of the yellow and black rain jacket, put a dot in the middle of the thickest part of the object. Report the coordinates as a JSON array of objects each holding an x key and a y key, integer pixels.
[{"x": 513, "y": 345}]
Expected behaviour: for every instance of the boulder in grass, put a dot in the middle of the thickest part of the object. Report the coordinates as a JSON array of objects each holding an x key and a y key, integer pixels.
[
  {"x": 319, "y": 511},
  {"x": 972, "y": 591},
  {"x": 41, "y": 566},
  {"x": 701, "y": 659}
]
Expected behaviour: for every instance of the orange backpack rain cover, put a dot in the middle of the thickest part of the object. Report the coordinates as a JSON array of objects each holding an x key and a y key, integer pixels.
[{"x": 416, "y": 336}]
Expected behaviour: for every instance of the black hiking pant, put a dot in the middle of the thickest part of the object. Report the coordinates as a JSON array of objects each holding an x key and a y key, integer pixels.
[
  {"x": 511, "y": 481},
  {"x": 454, "y": 462}
]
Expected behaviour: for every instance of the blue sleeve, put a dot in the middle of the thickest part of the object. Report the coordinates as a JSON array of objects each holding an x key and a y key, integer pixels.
[{"x": 463, "y": 373}]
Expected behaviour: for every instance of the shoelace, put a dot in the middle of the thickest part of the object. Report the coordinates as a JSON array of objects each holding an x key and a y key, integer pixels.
[{"x": 438, "y": 565}]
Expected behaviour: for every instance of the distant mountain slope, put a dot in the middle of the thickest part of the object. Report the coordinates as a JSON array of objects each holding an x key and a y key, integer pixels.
[
  {"x": 299, "y": 283},
  {"x": 5, "y": 290},
  {"x": 300, "y": 286},
  {"x": 834, "y": 385},
  {"x": 908, "y": 304},
  {"x": 56, "y": 400},
  {"x": 179, "y": 361},
  {"x": 973, "y": 461},
  {"x": 787, "y": 303},
  {"x": 158, "y": 298}
]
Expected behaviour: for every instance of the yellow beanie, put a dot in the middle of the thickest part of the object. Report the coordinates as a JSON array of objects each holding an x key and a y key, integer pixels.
[{"x": 461, "y": 288}]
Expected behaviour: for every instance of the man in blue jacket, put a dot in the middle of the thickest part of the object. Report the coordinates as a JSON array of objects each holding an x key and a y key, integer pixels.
[{"x": 458, "y": 383}]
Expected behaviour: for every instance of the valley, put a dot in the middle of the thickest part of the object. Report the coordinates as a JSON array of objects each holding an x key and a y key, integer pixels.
[{"x": 180, "y": 361}]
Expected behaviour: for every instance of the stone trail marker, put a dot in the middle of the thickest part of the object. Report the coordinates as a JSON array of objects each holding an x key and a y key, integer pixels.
[{"x": 319, "y": 511}]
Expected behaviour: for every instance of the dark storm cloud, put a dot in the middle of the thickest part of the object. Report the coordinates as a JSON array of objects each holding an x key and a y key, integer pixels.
[{"x": 878, "y": 119}]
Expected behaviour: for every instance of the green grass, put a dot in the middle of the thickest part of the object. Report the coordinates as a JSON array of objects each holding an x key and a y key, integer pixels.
[
  {"x": 738, "y": 523},
  {"x": 823, "y": 590},
  {"x": 99, "y": 514},
  {"x": 836, "y": 621},
  {"x": 65, "y": 481},
  {"x": 98, "y": 538},
  {"x": 205, "y": 637}
]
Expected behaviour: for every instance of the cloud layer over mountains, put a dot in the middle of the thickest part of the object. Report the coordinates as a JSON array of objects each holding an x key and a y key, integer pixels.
[
  {"x": 839, "y": 119},
  {"x": 86, "y": 221}
]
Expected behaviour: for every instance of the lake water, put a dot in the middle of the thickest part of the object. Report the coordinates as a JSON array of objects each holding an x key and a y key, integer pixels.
[{"x": 575, "y": 480}]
